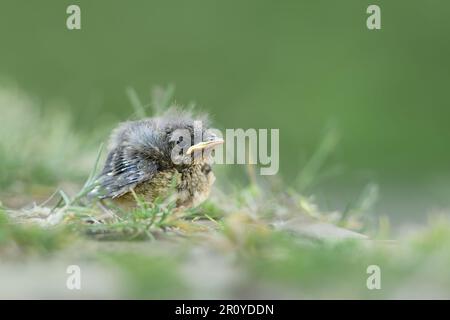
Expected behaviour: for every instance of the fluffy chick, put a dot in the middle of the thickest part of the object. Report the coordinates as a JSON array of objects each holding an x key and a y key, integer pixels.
[{"x": 157, "y": 156}]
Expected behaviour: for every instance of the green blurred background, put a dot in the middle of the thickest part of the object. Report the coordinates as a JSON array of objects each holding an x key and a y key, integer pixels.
[{"x": 292, "y": 65}]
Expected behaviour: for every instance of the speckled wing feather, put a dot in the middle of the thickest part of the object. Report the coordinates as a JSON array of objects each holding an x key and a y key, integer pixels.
[{"x": 123, "y": 170}]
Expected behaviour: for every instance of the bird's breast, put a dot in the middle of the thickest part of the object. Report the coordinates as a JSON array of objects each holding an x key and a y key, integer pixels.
[{"x": 194, "y": 187}]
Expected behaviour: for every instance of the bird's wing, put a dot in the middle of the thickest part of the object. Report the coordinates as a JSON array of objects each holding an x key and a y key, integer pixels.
[{"x": 123, "y": 170}]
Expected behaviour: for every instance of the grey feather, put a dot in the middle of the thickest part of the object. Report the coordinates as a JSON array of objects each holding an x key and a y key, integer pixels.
[{"x": 123, "y": 171}]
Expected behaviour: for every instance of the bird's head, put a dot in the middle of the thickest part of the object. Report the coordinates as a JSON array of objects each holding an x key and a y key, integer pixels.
[{"x": 189, "y": 138}]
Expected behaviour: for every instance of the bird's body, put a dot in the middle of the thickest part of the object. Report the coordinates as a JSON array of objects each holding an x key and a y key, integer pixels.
[
  {"x": 191, "y": 187},
  {"x": 153, "y": 158}
]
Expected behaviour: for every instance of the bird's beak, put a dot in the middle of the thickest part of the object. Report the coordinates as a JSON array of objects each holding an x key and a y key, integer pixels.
[{"x": 205, "y": 145}]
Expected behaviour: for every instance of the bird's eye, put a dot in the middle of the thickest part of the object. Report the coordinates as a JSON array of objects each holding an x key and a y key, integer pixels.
[{"x": 180, "y": 139}]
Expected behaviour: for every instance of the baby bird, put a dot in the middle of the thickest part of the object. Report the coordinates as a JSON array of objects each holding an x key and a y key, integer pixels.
[{"x": 155, "y": 157}]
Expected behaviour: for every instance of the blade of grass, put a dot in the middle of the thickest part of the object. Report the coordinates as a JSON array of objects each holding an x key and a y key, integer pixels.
[
  {"x": 161, "y": 98},
  {"x": 311, "y": 170},
  {"x": 139, "y": 108}
]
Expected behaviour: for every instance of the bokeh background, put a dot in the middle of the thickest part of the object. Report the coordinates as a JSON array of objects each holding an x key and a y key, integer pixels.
[{"x": 300, "y": 66}]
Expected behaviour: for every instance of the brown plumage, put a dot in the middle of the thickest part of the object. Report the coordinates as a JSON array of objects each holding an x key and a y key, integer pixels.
[{"x": 155, "y": 157}]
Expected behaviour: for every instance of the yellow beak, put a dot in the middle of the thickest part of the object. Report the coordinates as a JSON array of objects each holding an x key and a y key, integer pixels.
[{"x": 204, "y": 145}]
